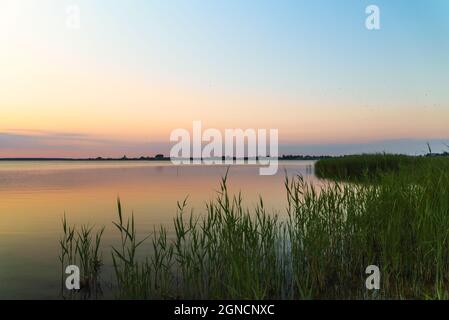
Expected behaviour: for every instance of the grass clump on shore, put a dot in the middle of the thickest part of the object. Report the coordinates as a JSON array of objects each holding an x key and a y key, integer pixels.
[
  {"x": 319, "y": 251},
  {"x": 358, "y": 167}
]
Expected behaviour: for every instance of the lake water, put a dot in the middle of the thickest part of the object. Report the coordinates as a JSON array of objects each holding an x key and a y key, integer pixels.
[{"x": 35, "y": 195}]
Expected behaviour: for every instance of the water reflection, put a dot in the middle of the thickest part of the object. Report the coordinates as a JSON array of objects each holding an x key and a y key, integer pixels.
[{"x": 35, "y": 195}]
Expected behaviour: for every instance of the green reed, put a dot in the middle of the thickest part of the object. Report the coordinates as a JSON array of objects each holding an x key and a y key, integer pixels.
[
  {"x": 319, "y": 249},
  {"x": 357, "y": 167},
  {"x": 81, "y": 247}
]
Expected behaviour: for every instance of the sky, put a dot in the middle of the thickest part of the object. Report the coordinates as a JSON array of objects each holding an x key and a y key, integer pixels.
[{"x": 136, "y": 70}]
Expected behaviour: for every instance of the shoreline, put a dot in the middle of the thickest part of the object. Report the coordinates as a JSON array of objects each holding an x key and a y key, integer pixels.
[{"x": 284, "y": 158}]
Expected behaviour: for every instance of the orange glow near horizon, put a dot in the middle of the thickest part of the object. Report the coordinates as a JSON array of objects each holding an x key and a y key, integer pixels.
[{"x": 87, "y": 92}]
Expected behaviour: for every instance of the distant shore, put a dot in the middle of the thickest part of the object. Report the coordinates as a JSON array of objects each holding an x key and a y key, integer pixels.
[
  {"x": 156, "y": 158},
  {"x": 161, "y": 157}
]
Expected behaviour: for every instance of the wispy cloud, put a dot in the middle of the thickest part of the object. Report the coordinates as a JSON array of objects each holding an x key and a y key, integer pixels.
[
  {"x": 403, "y": 146},
  {"x": 39, "y": 143},
  {"x": 38, "y": 132}
]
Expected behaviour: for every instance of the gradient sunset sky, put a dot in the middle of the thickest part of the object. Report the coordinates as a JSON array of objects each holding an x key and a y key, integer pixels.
[{"x": 137, "y": 69}]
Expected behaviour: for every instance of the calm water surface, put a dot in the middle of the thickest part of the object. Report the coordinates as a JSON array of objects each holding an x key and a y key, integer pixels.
[{"x": 35, "y": 195}]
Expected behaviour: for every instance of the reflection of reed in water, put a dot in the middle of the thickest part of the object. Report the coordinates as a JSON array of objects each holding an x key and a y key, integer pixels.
[{"x": 309, "y": 169}]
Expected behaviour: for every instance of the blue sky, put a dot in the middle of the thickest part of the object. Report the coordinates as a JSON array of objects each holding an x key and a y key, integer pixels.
[
  {"x": 282, "y": 45},
  {"x": 140, "y": 68}
]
